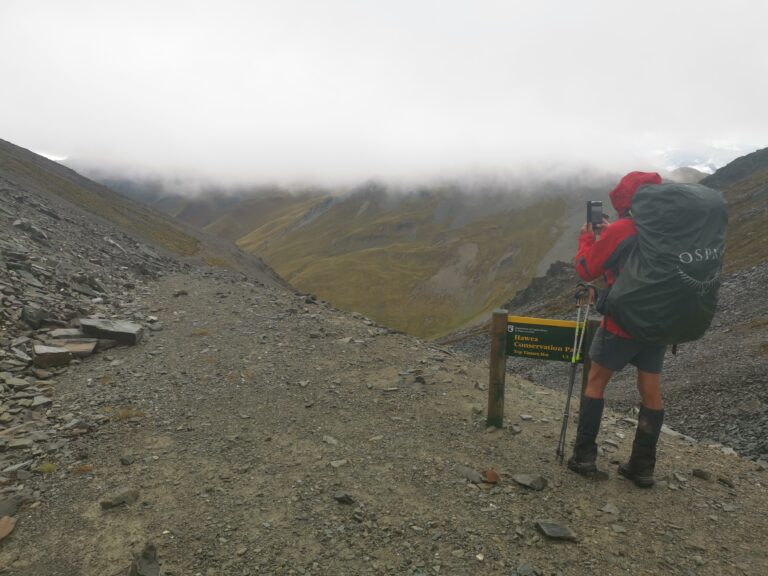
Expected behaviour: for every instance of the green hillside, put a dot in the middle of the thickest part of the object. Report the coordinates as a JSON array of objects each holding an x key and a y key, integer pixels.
[
  {"x": 744, "y": 183},
  {"x": 425, "y": 263}
]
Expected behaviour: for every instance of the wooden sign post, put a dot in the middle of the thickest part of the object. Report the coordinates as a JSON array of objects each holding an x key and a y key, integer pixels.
[
  {"x": 537, "y": 338},
  {"x": 498, "y": 369}
]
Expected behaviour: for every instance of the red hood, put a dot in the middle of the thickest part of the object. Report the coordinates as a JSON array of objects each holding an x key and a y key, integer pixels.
[{"x": 621, "y": 196}]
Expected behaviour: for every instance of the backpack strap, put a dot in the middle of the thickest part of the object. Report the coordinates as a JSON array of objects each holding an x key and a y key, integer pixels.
[{"x": 619, "y": 256}]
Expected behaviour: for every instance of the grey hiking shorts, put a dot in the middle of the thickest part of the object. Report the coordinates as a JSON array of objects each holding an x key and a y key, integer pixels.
[{"x": 615, "y": 352}]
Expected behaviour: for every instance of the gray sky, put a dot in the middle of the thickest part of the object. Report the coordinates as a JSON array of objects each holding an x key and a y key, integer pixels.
[{"x": 333, "y": 90}]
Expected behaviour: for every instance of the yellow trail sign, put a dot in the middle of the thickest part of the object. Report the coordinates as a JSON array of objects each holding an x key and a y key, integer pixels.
[{"x": 541, "y": 338}]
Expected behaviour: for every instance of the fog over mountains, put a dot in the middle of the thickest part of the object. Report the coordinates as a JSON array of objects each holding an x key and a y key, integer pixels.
[{"x": 425, "y": 259}]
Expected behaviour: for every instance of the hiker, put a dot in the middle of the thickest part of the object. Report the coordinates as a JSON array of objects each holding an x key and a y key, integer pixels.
[{"x": 612, "y": 348}]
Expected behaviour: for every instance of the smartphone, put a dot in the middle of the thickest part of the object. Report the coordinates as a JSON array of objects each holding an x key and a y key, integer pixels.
[{"x": 595, "y": 212}]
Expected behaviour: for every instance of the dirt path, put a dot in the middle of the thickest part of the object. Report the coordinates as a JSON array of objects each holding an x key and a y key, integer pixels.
[{"x": 268, "y": 435}]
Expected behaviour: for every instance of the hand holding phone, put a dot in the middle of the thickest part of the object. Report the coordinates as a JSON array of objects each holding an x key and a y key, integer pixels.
[{"x": 595, "y": 213}]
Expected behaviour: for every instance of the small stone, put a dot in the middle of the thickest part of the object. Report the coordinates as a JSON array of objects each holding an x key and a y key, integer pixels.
[
  {"x": 491, "y": 476},
  {"x": 725, "y": 481},
  {"x": 469, "y": 474},
  {"x": 6, "y": 526},
  {"x": 618, "y": 528},
  {"x": 515, "y": 429},
  {"x": 343, "y": 498},
  {"x": 123, "y": 497},
  {"x": 330, "y": 440},
  {"x": 679, "y": 477},
  {"x": 610, "y": 509},
  {"x": 145, "y": 563},
  {"x": 702, "y": 474},
  {"x": 526, "y": 417},
  {"x": 180, "y": 293},
  {"x": 527, "y": 570},
  {"x": 39, "y": 401},
  {"x": 9, "y": 506},
  {"x": 532, "y": 481},
  {"x": 17, "y": 383},
  {"x": 127, "y": 460},
  {"x": 21, "y": 443},
  {"x": 338, "y": 463},
  {"x": 555, "y": 530}
]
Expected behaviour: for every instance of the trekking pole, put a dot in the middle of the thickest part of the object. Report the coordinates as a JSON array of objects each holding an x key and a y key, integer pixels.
[{"x": 583, "y": 301}]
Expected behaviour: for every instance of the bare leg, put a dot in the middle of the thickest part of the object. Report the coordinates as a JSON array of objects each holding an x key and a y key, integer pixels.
[
  {"x": 649, "y": 386},
  {"x": 598, "y": 379}
]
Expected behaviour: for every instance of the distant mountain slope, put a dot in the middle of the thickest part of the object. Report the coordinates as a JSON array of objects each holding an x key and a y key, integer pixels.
[
  {"x": 744, "y": 183},
  {"x": 31, "y": 171},
  {"x": 426, "y": 260},
  {"x": 741, "y": 168},
  {"x": 424, "y": 263}
]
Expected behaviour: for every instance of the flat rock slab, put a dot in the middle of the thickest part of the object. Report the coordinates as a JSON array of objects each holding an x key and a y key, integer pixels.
[
  {"x": 17, "y": 383},
  {"x": 555, "y": 530},
  {"x": 82, "y": 348},
  {"x": 122, "y": 331},
  {"x": 532, "y": 481},
  {"x": 50, "y": 356},
  {"x": 66, "y": 333}
]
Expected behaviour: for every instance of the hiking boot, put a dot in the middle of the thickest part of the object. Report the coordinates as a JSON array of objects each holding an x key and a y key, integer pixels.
[
  {"x": 585, "y": 448},
  {"x": 642, "y": 461}
]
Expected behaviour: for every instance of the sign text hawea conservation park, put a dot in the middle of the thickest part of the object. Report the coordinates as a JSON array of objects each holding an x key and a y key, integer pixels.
[
  {"x": 540, "y": 338},
  {"x": 534, "y": 338}
]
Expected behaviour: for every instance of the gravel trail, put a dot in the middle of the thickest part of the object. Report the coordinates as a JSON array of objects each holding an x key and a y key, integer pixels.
[{"x": 260, "y": 432}]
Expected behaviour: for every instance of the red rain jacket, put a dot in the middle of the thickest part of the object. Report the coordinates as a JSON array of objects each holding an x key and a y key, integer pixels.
[{"x": 594, "y": 255}]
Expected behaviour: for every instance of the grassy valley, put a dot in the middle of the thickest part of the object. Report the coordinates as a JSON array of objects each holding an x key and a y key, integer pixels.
[
  {"x": 400, "y": 264},
  {"x": 426, "y": 261},
  {"x": 434, "y": 259}
]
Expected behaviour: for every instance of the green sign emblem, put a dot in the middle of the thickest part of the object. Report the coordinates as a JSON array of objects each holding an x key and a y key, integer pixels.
[{"x": 540, "y": 338}]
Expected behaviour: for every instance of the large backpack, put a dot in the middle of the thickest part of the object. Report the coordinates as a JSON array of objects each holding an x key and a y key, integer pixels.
[{"x": 669, "y": 285}]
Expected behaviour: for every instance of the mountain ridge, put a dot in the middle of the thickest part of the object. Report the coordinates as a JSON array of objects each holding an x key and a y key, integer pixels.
[{"x": 22, "y": 167}]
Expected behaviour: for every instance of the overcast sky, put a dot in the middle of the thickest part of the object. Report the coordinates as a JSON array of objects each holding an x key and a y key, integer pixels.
[{"x": 333, "y": 90}]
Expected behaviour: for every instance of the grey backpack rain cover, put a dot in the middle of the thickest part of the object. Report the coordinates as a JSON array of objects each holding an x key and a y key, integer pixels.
[{"x": 668, "y": 288}]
